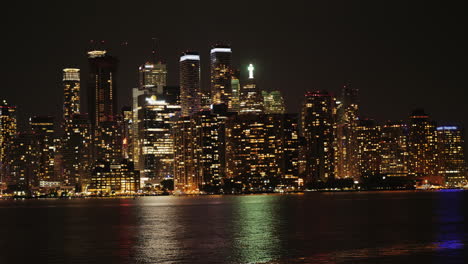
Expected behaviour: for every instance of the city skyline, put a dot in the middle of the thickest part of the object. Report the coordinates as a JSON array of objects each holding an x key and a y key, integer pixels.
[{"x": 413, "y": 51}]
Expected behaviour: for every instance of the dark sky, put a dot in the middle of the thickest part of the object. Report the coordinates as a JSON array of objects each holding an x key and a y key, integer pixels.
[{"x": 400, "y": 55}]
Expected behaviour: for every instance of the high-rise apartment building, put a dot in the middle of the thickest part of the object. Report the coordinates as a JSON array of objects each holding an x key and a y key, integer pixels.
[
  {"x": 8, "y": 130},
  {"x": 422, "y": 146},
  {"x": 368, "y": 148},
  {"x": 71, "y": 93},
  {"x": 317, "y": 128},
  {"x": 346, "y": 163},
  {"x": 44, "y": 149},
  {"x": 394, "y": 149},
  {"x": 451, "y": 159}
]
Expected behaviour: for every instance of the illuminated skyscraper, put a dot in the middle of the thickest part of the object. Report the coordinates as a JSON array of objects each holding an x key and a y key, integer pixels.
[
  {"x": 71, "y": 93},
  {"x": 255, "y": 150},
  {"x": 422, "y": 147},
  {"x": 8, "y": 130},
  {"x": 317, "y": 128},
  {"x": 236, "y": 90},
  {"x": 251, "y": 100},
  {"x": 110, "y": 178},
  {"x": 393, "y": 149},
  {"x": 44, "y": 149},
  {"x": 153, "y": 76},
  {"x": 102, "y": 89},
  {"x": 76, "y": 151},
  {"x": 221, "y": 92},
  {"x": 188, "y": 176},
  {"x": 346, "y": 163},
  {"x": 23, "y": 162},
  {"x": 451, "y": 159},
  {"x": 190, "y": 92},
  {"x": 368, "y": 151},
  {"x": 273, "y": 102}
]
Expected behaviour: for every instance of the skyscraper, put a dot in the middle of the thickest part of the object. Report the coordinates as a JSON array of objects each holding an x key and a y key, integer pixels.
[
  {"x": 152, "y": 75},
  {"x": 451, "y": 159},
  {"x": 422, "y": 147},
  {"x": 71, "y": 93},
  {"x": 220, "y": 56},
  {"x": 102, "y": 89},
  {"x": 8, "y": 130},
  {"x": 317, "y": 128},
  {"x": 368, "y": 148},
  {"x": 346, "y": 163},
  {"x": 44, "y": 150},
  {"x": 190, "y": 92},
  {"x": 251, "y": 100},
  {"x": 394, "y": 149},
  {"x": 236, "y": 90}
]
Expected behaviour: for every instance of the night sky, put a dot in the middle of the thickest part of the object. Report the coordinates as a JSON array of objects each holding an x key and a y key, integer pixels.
[{"x": 400, "y": 55}]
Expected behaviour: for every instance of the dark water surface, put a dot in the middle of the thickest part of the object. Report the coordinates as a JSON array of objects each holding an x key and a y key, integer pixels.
[{"x": 358, "y": 227}]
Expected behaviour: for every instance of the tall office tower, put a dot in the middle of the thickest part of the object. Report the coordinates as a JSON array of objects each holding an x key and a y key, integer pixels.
[
  {"x": 190, "y": 93},
  {"x": 451, "y": 159},
  {"x": 346, "y": 143},
  {"x": 44, "y": 149},
  {"x": 76, "y": 151},
  {"x": 102, "y": 89},
  {"x": 71, "y": 93},
  {"x": 8, "y": 129},
  {"x": 251, "y": 100},
  {"x": 422, "y": 147},
  {"x": 393, "y": 149},
  {"x": 152, "y": 76},
  {"x": 317, "y": 127},
  {"x": 127, "y": 123},
  {"x": 156, "y": 140},
  {"x": 368, "y": 151},
  {"x": 273, "y": 102},
  {"x": 236, "y": 91},
  {"x": 187, "y": 174},
  {"x": 121, "y": 178},
  {"x": 291, "y": 149},
  {"x": 103, "y": 111},
  {"x": 210, "y": 136},
  {"x": 255, "y": 150},
  {"x": 220, "y": 56},
  {"x": 23, "y": 162}
]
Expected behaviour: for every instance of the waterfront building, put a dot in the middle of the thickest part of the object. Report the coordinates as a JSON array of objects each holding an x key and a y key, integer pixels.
[
  {"x": 187, "y": 174},
  {"x": 422, "y": 146},
  {"x": 393, "y": 149},
  {"x": 346, "y": 163},
  {"x": 451, "y": 159},
  {"x": 255, "y": 151},
  {"x": 8, "y": 130},
  {"x": 23, "y": 163},
  {"x": 44, "y": 149},
  {"x": 190, "y": 91},
  {"x": 317, "y": 128},
  {"x": 368, "y": 148},
  {"x": 114, "y": 178}
]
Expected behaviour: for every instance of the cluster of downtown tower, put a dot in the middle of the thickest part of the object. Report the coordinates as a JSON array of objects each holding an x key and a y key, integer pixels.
[{"x": 230, "y": 137}]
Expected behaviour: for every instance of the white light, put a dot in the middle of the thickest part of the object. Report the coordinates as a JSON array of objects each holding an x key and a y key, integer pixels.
[
  {"x": 220, "y": 50},
  {"x": 251, "y": 70},
  {"x": 190, "y": 57}
]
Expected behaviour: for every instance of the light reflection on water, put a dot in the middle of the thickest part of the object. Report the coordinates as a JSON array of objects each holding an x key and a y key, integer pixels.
[{"x": 366, "y": 227}]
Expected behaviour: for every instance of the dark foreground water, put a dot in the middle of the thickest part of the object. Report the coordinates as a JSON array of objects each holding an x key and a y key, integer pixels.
[{"x": 365, "y": 227}]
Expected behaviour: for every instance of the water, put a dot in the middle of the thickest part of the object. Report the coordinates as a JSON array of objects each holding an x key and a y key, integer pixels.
[{"x": 358, "y": 227}]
